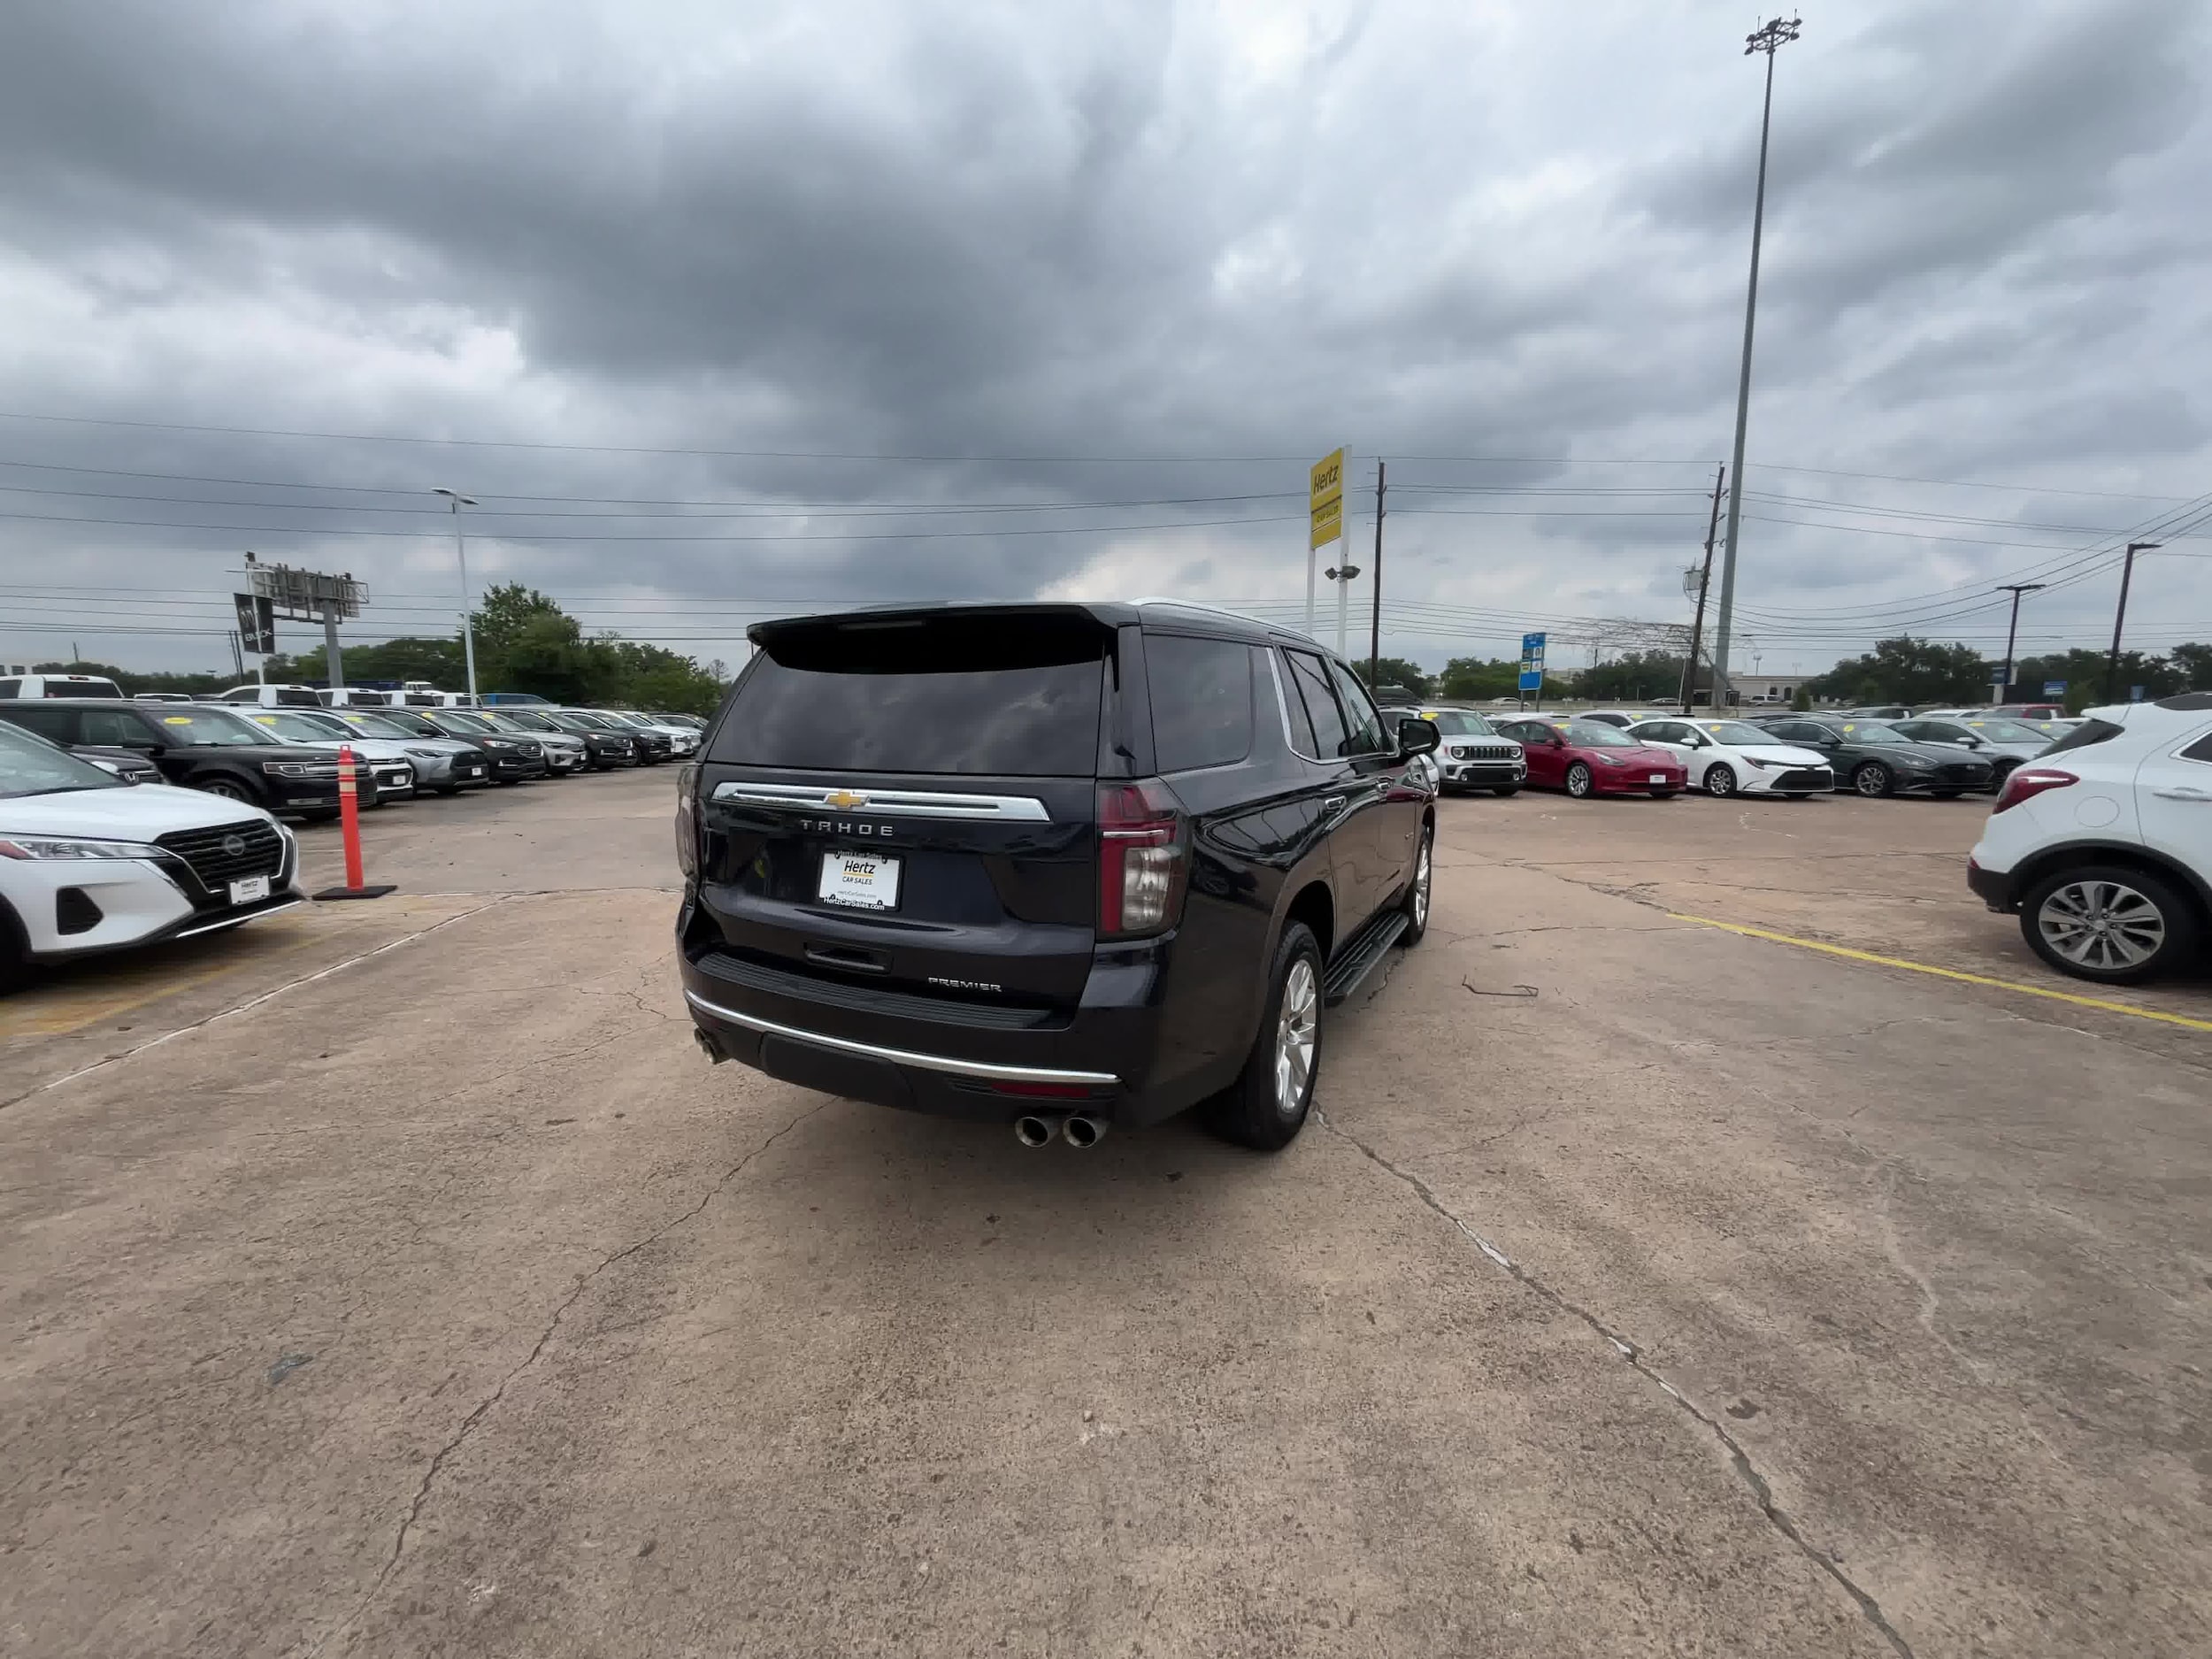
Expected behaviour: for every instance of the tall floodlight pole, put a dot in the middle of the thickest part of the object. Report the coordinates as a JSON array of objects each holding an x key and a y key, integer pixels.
[
  {"x": 2012, "y": 633},
  {"x": 1777, "y": 32},
  {"x": 461, "y": 552},
  {"x": 2119, "y": 619}
]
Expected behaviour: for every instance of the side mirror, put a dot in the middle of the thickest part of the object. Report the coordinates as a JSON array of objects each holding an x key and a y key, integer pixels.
[{"x": 1416, "y": 736}]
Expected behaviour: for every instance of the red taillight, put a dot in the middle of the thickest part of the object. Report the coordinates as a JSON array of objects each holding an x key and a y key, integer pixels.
[
  {"x": 2027, "y": 782},
  {"x": 1140, "y": 858}
]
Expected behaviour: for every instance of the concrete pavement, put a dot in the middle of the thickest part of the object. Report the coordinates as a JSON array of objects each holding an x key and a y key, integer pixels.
[{"x": 1646, "y": 1288}]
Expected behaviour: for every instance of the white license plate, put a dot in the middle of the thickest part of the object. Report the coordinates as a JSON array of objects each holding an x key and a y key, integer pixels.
[
  {"x": 868, "y": 881},
  {"x": 1658, "y": 777},
  {"x": 249, "y": 890}
]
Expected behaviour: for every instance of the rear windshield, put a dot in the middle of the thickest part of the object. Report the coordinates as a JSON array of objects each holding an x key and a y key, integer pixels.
[{"x": 977, "y": 696}]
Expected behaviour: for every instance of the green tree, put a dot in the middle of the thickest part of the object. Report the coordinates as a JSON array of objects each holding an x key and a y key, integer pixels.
[
  {"x": 1631, "y": 679},
  {"x": 1906, "y": 669},
  {"x": 2086, "y": 671},
  {"x": 2193, "y": 663},
  {"x": 1802, "y": 703},
  {"x": 1396, "y": 670},
  {"x": 1474, "y": 678}
]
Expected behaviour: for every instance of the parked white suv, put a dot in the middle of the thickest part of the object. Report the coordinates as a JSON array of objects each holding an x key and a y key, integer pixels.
[
  {"x": 2102, "y": 845},
  {"x": 58, "y": 685},
  {"x": 89, "y": 862}
]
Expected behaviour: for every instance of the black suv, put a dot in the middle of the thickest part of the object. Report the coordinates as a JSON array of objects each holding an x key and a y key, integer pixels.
[
  {"x": 201, "y": 745},
  {"x": 1063, "y": 864},
  {"x": 1873, "y": 758}
]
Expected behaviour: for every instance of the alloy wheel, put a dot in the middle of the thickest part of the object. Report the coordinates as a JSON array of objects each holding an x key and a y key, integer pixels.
[
  {"x": 1871, "y": 780},
  {"x": 1578, "y": 783},
  {"x": 1295, "y": 1029},
  {"x": 1421, "y": 883},
  {"x": 225, "y": 790},
  {"x": 1720, "y": 780},
  {"x": 2101, "y": 924}
]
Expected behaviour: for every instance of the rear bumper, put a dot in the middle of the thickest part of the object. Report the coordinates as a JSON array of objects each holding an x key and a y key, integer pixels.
[
  {"x": 1993, "y": 887},
  {"x": 1093, "y": 1061}
]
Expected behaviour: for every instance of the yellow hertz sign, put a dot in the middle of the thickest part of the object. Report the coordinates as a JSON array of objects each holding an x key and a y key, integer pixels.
[{"x": 1326, "y": 498}]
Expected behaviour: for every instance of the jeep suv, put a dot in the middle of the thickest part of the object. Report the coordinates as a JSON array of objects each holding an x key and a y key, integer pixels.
[
  {"x": 1065, "y": 865},
  {"x": 2102, "y": 844}
]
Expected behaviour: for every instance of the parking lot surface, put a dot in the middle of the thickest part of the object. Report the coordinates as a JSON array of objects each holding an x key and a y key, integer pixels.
[{"x": 396, "y": 1278}]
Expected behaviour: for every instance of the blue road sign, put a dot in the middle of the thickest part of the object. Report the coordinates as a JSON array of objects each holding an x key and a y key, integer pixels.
[
  {"x": 2054, "y": 688},
  {"x": 1531, "y": 680}
]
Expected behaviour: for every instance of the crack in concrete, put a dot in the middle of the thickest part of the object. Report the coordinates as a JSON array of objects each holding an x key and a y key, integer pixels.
[
  {"x": 483, "y": 1406},
  {"x": 1740, "y": 1460},
  {"x": 251, "y": 1002}
]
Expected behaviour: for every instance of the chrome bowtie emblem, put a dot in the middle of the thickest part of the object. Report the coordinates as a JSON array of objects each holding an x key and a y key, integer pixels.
[{"x": 233, "y": 845}]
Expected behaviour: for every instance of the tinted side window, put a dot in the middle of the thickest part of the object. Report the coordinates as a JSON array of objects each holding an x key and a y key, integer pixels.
[
  {"x": 1202, "y": 701},
  {"x": 57, "y": 725},
  {"x": 2201, "y": 749},
  {"x": 1310, "y": 680},
  {"x": 2083, "y": 735},
  {"x": 11, "y": 687},
  {"x": 114, "y": 727},
  {"x": 1367, "y": 736},
  {"x": 1301, "y": 737}
]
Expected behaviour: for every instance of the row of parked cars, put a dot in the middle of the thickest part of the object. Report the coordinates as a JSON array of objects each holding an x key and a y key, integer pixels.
[
  {"x": 124, "y": 821},
  {"x": 1614, "y": 751}
]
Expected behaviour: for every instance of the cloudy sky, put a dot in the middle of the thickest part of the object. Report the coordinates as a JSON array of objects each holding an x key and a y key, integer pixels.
[{"x": 724, "y": 310}]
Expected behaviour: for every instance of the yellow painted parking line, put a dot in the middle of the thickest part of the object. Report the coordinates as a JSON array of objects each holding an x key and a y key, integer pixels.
[{"x": 1850, "y": 955}]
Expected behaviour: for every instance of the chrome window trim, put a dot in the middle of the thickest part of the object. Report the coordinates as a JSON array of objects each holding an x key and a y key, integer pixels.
[
  {"x": 1008, "y": 809},
  {"x": 902, "y": 1056},
  {"x": 1275, "y": 669}
]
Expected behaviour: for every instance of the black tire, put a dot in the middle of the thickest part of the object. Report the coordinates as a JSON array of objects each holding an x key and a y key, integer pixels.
[
  {"x": 1945, "y": 795},
  {"x": 229, "y": 789},
  {"x": 1720, "y": 781},
  {"x": 2157, "y": 929},
  {"x": 325, "y": 815},
  {"x": 15, "y": 956},
  {"x": 1580, "y": 783},
  {"x": 1506, "y": 791},
  {"x": 1415, "y": 905},
  {"x": 1872, "y": 779},
  {"x": 1248, "y": 1112},
  {"x": 447, "y": 788}
]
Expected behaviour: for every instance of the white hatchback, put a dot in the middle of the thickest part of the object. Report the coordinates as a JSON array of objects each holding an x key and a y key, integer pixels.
[
  {"x": 89, "y": 862},
  {"x": 1728, "y": 757},
  {"x": 2102, "y": 845}
]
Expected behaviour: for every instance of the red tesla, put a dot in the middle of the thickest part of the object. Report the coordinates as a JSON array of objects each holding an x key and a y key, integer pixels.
[{"x": 1588, "y": 757}]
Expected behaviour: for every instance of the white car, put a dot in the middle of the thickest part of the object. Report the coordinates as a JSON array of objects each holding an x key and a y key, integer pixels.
[
  {"x": 1726, "y": 757},
  {"x": 89, "y": 862},
  {"x": 2102, "y": 846},
  {"x": 58, "y": 685},
  {"x": 681, "y": 739}
]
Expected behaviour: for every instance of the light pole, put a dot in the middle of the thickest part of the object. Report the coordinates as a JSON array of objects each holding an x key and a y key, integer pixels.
[
  {"x": 1342, "y": 576},
  {"x": 2127, "y": 572},
  {"x": 461, "y": 552},
  {"x": 2012, "y": 633},
  {"x": 1777, "y": 32}
]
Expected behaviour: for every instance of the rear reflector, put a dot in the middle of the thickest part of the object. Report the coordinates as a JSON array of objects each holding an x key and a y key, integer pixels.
[{"x": 2027, "y": 782}]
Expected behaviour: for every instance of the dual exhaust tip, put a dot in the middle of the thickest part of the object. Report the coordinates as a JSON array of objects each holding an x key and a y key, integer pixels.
[{"x": 1078, "y": 1129}]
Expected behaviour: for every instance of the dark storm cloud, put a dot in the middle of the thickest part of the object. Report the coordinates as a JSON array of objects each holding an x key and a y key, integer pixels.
[{"x": 1165, "y": 232}]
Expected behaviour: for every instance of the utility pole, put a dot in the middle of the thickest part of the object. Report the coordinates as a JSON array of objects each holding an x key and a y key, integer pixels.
[
  {"x": 1374, "y": 625},
  {"x": 2012, "y": 633},
  {"x": 1777, "y": 32},
  {"x": 2127, "y": 572},
  {"x": 237, "y": 657},
  {"x": 461, "y": 552},
  {"x": 1697, "y": 628},
  {"x": 334, "y": 665}
]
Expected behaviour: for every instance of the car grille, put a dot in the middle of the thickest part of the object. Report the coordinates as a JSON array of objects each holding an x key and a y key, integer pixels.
[
  {"x": 1971, "y": 772},
  {"x": 259, "y": 852},
  {"x": 1806, "y": 777}
]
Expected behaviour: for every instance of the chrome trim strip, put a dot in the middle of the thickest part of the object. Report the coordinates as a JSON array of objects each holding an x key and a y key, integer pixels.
[
  {"x": 889, "y": 802},
  {"x": 220, "y": 923},
  {"x": 903, "y": 1056}
]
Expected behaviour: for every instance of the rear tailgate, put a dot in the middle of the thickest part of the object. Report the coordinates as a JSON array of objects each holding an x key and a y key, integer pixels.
[{"x": 973, "y": 881}]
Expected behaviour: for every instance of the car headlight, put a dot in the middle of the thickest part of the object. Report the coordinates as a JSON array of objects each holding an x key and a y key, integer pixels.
[
  {"x": 1754, "y": 761},
  {"x": 1460, "y": 751},
  {"x": 1914, "y": 762},
  {"x": 56, "y": 847},
  {"x": 1611, "y": 760},
  {"x": 296, "y": 769},
  {"x": 424, "y": 753}
]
